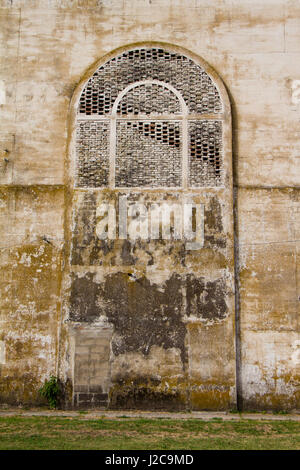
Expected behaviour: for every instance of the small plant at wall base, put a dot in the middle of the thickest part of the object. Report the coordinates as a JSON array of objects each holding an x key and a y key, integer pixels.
[{"x": 51, "y": 390}]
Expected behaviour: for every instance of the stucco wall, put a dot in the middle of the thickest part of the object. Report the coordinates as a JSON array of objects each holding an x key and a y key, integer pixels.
[{"x": 46, "y": 48}]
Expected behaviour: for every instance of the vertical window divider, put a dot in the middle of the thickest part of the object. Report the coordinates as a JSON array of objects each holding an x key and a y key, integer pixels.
[
  {"x": 112, "y": 150},
  {"x": 185, "y": 154}
]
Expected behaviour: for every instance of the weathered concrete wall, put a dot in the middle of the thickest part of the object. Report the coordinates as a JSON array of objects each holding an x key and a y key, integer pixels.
[
  {"x": 269, "y": 299},
  {"x": 46, "y": 49},
  {"x": 31, "y": 267}
]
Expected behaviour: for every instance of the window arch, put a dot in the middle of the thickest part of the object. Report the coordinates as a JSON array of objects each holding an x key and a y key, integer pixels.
[{"x": 148, "y": 118}]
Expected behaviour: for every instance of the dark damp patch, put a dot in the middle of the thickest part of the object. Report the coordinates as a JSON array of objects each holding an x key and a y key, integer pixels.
[
  {"x": 182, "y": 255},
  {"x": 151, "y": 260},
  {"x": 213, "y": 216},
  {"x": 84, "y": 293},
  {"x": 126, "y": 254},
  {"x": 146, "y": 395},
  {"x": 206, "y": 300},
  {"x": 144, "y": 314},
  {"x": 214, "y": 236},
  {"x": 215, "y": 242}
]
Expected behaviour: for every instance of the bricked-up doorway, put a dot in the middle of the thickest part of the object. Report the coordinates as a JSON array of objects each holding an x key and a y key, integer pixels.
[{"x": 149, "y": 267}]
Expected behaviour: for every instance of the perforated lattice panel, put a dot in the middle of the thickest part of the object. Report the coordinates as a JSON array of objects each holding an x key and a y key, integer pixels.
[
  {"x": 92, "y": 154},
  {"x": 149, "y": 140},
  {"x": 149, "y": 99},
  {"x": 148, "y": 154},
  {"x": 195, "y": 85},
  {"x": 205, "y": 148}
]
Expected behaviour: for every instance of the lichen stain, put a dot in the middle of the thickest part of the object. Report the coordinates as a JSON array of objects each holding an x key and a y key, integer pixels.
[
  {"x": 34, "y": 303},
  {"x": 209, "y": 397},
  {"x": 147, "y": 393},
  {"x": 43, "y": 265},
  {"x": 273, "y": 401},
  {"x": 83, "y": 234},
  {"x": 21, "y": 387},
  {"x": 207, "y": 257}
]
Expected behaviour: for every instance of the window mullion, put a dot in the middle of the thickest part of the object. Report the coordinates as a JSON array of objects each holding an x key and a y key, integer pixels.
[
  {"x": 112, "y": 152},
  {"x": 185, "y": 155}
]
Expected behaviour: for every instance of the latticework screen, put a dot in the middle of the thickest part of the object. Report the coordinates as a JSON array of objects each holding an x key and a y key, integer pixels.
[{"x": 133, "y": 109}]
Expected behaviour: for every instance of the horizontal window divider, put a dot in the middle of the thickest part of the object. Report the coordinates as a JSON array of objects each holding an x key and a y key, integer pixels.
[
  {"x": 152, "y": 189},
  {"x": 173, "y": 117}
]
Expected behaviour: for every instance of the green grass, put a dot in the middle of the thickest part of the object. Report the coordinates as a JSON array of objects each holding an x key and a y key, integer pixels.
[{"x": 17, "y": 432}]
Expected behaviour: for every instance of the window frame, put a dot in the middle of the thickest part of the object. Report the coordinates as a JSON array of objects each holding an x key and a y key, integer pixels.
[{"x": 224, "y": 116}]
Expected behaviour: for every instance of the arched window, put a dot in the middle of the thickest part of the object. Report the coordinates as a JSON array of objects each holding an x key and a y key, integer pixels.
[{"x": 150, "y": 118}]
